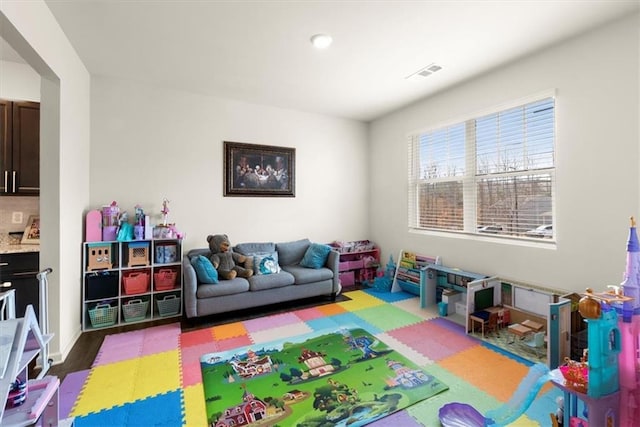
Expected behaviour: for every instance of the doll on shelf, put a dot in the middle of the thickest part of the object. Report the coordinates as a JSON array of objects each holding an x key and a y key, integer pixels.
[{"x": 165, "y": 212}]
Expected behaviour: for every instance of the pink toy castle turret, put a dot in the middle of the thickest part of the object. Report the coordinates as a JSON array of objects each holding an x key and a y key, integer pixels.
[{"x": 629, "y": 324}]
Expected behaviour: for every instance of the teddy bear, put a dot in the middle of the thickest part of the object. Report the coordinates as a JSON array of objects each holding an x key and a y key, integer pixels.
[{"x": 225, "y": 260}]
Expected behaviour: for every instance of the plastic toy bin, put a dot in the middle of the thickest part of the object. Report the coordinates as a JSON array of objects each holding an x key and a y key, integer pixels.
[
  {"x": 103, "y": 315},
  {"x": 101, "y": 285},
  {"x": 165, "y": 279},
  {"x": 168, "y": 306},
  {"x": 135, "y": 282},
  {"x": 135, "y": 310}
]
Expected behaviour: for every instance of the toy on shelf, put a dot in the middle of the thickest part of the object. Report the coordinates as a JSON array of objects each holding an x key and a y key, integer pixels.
[
  {"x": 138, "y": 227},
  {"x": 110, "y": 218},
  {"x": 165, "y": 212}
]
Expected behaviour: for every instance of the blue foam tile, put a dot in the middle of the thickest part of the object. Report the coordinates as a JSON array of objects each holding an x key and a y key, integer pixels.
[
  {"x": 354, "y": 319},
  {"x": 543, "y": 405},
  {"x": 389, "y": 297},
  {"x": 322, "y": 323},
  {"x": 161, "y": 410}
]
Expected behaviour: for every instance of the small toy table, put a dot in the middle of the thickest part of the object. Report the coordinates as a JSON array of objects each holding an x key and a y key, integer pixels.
[{"x": 519, "y": 330}]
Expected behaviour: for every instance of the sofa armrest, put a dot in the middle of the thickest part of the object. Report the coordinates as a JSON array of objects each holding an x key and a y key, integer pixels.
[
  {"x": 190, "y": 287},
  {"x": 333, "y": 261}
]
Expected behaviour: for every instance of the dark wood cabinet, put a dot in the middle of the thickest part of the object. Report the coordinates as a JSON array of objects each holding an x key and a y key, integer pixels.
[
  {"x": 18, "y": 271},
  {"x": 19, "y": 148}
]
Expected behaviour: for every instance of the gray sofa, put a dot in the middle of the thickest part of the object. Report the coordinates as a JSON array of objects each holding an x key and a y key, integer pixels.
[{"x": 291, "y": 283}]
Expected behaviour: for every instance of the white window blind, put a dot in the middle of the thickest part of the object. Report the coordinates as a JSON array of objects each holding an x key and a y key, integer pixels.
[{"x": 492, "y": 174}]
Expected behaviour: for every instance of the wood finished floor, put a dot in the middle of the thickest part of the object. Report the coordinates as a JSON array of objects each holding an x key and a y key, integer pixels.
[{"x": 86, "y": 347}]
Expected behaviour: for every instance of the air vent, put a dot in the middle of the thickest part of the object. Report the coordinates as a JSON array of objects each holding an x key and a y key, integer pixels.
[{"x": 425, "y": 71}]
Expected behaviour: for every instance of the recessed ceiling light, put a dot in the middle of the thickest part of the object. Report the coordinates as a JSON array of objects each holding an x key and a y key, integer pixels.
[{"x": 321, "y": 41}]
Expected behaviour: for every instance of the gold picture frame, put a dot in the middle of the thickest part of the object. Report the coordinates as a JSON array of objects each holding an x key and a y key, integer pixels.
[
  {"x": 259, "y": 170},
  {"x": 31, "y": 234}
]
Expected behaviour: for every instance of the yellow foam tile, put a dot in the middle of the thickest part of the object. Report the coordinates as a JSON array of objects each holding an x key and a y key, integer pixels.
[
  {"x": 158, "y": 373},
  {"x": 106, "y": 386},
  {"x": 195, "y": 412},
  {"x": 360, "y": 300},
  {"x": 115, "y": 384}
]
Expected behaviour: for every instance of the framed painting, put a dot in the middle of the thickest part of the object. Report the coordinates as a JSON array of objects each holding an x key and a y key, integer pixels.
[
  {"x": 259, "y": 170},
  {"x": 32, "y": 231}
]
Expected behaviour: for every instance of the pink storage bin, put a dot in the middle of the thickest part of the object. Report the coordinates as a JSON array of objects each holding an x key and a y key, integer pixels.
[
  {"x": 347, "y": 279},
  {"x": 343, "y": 266},
  {"x": 356, "y": 264}
]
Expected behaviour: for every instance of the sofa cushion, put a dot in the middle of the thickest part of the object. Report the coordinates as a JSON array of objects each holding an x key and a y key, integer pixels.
[
  {"x": 305, "y": 275},
  {"x": 224, "y": 287},
  {"x": 266, "y": 263},
  {"x": 291, "y": 253},
  {"x": 255, "y": 248},
  {"x": 270, "y": 281},
  {"x": 205, "y": 271},
  {"x": 315, "y": 256}
]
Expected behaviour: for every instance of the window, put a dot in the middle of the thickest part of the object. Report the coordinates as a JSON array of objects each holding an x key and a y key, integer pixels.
[{"x": 492, "y": 174}]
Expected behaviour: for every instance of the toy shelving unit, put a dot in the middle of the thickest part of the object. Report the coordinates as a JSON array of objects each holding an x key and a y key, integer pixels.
[{"x": 130, "y": 281}]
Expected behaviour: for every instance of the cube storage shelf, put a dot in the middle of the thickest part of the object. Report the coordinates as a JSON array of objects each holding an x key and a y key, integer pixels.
[{"x": 130, "y": 282}]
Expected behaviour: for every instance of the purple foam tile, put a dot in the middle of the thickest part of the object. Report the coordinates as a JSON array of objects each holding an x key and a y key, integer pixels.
[
  {"x": 401, "y": 418},
  {"x": 69, "y": 391},
  {"x": 269, "y": 322}
]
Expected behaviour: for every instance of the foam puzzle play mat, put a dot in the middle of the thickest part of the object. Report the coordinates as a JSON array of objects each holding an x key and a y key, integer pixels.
[{"x": 339, "y": 377}]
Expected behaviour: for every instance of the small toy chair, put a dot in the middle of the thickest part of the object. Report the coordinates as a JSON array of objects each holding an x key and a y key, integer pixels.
[{"x": 536, "y": 342}]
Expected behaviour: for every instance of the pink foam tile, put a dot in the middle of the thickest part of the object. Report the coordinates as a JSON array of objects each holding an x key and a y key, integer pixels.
[
  {"x": 191, "y": 374},
  {"x": 124, "y": 340},
  {"x": 152, "y": 345},
  {"x": 200, "y": 336},
  {"x": 434, "y": 350},
  {"x": 309, "y": 314},
  {"x": 448, "y": 343},
  {"x": 119, "y": 347},
  {"x": 269, "y": 322},
  {"x": 231, "y": 343},
  {"x": 160, "y": 339},
  {"x": 162, "y": 331},
  {"x": 193, "y": 353}
]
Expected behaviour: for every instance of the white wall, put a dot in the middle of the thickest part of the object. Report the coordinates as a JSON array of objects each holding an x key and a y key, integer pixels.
[
  {"x": 19, "y": 82},
  {"x": 597, "y": 81},
  {"x": 30, "y": 28},
  {"x": 149, "y": 143}
]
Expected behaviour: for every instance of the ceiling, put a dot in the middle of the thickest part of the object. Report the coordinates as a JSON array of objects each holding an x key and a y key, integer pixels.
[{"x": 259, "y": 51}]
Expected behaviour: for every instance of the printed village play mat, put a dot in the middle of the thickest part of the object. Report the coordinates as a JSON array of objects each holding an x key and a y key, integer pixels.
[{"x": 339, "y": 377}]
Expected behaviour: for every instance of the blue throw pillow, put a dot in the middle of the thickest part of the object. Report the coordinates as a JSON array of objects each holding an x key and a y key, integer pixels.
[
  {"x": 205, "y": 271},
  {"x": 316, "y": 256}
]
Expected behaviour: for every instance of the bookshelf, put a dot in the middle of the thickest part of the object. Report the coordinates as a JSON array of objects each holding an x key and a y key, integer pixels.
[{"x": 411, "y": 275}]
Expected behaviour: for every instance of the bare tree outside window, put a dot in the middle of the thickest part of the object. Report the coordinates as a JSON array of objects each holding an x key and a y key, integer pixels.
[{"x": 509, "y": 188}]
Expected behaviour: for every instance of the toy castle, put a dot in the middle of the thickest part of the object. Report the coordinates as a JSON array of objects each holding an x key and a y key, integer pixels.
[{"x": 613, "y": 318}]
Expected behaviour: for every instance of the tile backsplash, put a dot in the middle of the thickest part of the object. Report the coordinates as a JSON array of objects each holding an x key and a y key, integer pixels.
[{"x": 9, "y": 204}]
